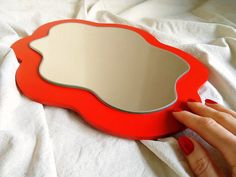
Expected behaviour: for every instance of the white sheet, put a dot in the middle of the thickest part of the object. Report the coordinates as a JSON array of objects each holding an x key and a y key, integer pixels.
[{"x": 37, "y": 140}]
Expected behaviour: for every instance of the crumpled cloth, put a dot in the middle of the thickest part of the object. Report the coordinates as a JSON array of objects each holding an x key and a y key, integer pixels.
[{"x": 42, "y": 141}]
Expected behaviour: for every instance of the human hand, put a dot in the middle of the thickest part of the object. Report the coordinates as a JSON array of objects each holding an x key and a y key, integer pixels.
[{"x": 215, "y": 124}]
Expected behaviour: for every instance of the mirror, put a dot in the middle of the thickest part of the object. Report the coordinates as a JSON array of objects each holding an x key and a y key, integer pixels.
[{"x": 119, "y": 66}]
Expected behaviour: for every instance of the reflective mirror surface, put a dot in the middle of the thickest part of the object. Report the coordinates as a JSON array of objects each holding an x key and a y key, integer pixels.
[{"x": 119, "y": 66}]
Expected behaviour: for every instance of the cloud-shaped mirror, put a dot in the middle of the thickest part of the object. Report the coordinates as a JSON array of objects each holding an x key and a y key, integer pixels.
[{"x": 119, "y": 66}]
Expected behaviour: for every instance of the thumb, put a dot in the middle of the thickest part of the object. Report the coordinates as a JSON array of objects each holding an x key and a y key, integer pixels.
[{"x": 198, "y": 159}]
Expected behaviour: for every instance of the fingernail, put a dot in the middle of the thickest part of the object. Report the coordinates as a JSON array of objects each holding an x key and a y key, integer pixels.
[
  {"x": 191, "y": 100},
  {"x": 186, "y": 145},
  {"x": 210, "y": 101}
]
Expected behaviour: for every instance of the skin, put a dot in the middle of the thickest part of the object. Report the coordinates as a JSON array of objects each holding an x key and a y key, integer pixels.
[{"x": 216, "y": 125}]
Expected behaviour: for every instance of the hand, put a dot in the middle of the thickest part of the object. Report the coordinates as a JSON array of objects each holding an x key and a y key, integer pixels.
[{"x": 215, "y": 124}]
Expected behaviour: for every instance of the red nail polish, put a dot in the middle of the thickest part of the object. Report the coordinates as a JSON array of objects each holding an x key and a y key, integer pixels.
[
  {"x": 210, "y": 101},
  {"x": 191, "y": 100},
  {"x": 186, "y": 145}
]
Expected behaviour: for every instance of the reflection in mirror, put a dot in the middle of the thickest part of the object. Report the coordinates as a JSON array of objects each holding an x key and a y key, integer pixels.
[{"x": 116, "y": 64}]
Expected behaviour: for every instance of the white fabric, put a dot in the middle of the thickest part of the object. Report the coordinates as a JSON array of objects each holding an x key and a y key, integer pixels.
[{"x": 41, "y": 141}]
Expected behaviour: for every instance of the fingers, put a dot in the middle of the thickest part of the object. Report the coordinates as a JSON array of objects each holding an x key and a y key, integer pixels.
[
  {"x": 223, "y": 118},
  {"x": 234, "y": 171},
  {"x": 214, "y": 123},
  {"x": 198, "y": 159},
  {"x": 212, "y": 132},
  {"x": 219, "y": 107}
]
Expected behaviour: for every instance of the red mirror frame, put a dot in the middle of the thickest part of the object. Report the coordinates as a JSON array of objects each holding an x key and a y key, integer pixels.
[{"x": 110, "y": 120}]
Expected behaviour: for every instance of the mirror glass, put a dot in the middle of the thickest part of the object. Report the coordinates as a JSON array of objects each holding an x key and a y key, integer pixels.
[{"x": 118, "y": 65}]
